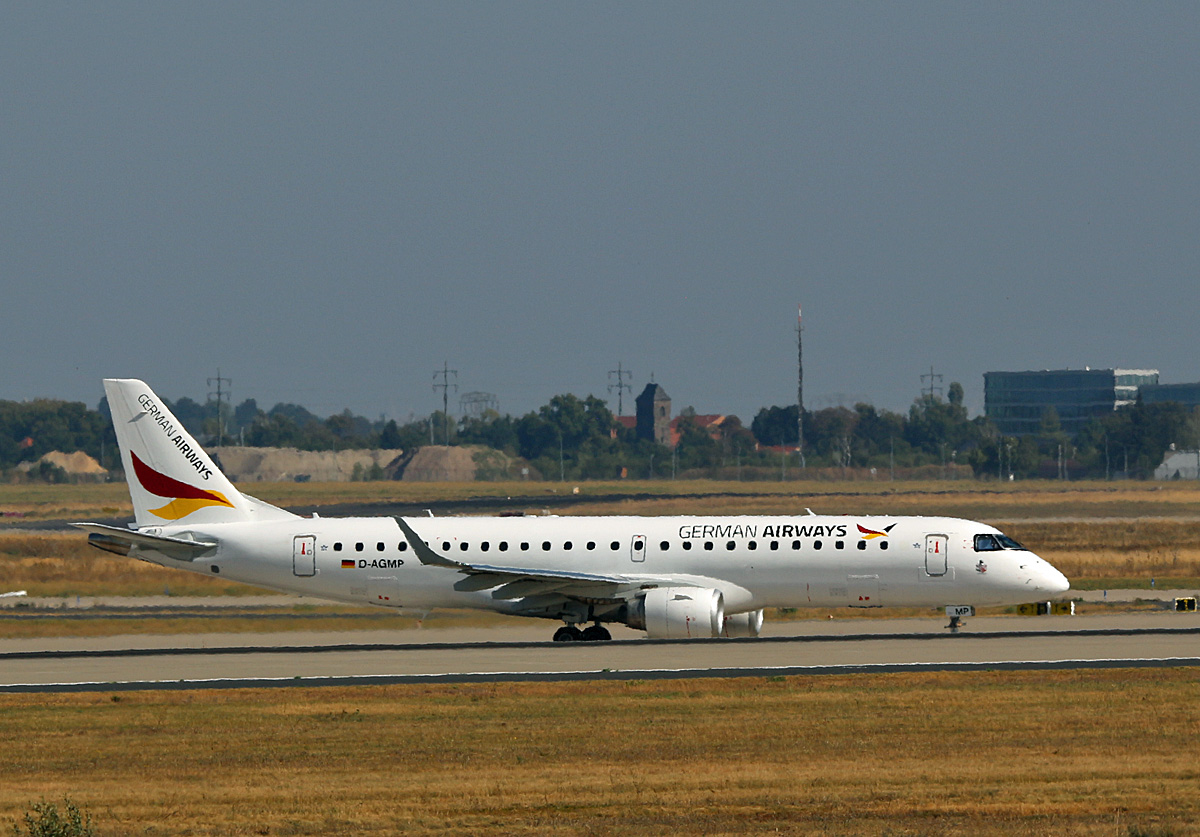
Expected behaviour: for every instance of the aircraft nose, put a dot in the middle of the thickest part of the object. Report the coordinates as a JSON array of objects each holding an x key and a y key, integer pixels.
[{"x": 1046, "y": 577}]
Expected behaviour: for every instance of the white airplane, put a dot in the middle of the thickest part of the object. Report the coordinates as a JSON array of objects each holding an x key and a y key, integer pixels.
[{"x": 668, "y": 576}]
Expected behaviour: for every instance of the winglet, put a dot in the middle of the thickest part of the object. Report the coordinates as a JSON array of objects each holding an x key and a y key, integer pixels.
[{"x": 424, "y": 553}]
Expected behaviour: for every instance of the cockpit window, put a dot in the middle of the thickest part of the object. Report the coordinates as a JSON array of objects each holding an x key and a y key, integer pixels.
[
  {"x": 991, "y": 543},
  {"x": 986, "y": 543}
]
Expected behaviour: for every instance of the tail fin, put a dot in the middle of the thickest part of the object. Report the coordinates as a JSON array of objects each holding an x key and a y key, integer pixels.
[{"x": 171, "y": 479}]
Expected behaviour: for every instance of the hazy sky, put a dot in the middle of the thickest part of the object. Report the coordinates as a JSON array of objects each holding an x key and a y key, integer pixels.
[{"x": 327, "y": 201}]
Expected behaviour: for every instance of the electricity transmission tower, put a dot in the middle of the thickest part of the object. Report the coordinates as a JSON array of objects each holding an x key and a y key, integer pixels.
[
  {"x": 223, "y": 396},
  {"x": 620, "y": 386},
  {"x": 931, "y": 378},
  {"x": 445, "y": 372}
]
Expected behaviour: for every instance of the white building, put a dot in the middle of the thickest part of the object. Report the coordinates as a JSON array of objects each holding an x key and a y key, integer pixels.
[{"x": 1179, "y": 465}]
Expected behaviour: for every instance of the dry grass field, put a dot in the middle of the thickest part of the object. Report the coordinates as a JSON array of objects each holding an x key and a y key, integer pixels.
[
  {"x": 1081, "y": 753},
  {"x": 977, "y": 500}
]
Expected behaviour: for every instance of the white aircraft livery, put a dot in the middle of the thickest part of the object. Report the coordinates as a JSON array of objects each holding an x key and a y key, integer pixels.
[{"x": 672, "y": 577}]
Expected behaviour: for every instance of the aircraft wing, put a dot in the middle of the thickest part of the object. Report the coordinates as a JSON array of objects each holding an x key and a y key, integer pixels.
[
  {"x": 521, "y": 582},
  {"x": 120, "y": 541}
]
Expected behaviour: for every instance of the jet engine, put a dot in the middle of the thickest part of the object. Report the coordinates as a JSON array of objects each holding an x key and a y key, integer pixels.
[
  {"x": 679, "y": 613},
  {"x": 743, "y": 624}
]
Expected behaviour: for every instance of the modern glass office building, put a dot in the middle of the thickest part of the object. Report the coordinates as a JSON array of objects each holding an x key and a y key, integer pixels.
[
  {"x": 1186, "y": 394},
  {"x": 1017, "y": 401}
]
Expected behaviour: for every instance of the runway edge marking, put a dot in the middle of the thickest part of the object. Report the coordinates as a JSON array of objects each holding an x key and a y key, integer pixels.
[{"x": 573, "y": 676}]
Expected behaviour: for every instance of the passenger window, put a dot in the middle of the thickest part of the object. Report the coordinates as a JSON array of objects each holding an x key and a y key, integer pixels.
[
  {"x": 774, "y": 545},
  {"x": 403, "y": 546},
  {"x": 484, "y": 546},
  {"x": 664, "y": 546},
  {"x": 567, "y": 545},
  {"x": 591, "y": 545},
  {"x": 379, "y": 547},
  {"x": 729, "y": 545},
  {"x": 445, "y": 546},
  {"x": 545, "y": 546},
  {"x": 708, "y": 544},
  {"x": 753, "y": 545},
  {"x": 862, "y": 544},
  {"x": 883, "y": 544},
  {"x": 615, "y": 546},
  {"x": 839, "y": 545},
  {"x": 817, "y": 544},
  {"x": 524, "y": 546},
  {"x": 337, "y": 547},
  {"x": 796, "y": 544},
  {"x": 358, "y": 547},
  {"x": 463, "y": 546},
  {"x": 687, "y": 545}
]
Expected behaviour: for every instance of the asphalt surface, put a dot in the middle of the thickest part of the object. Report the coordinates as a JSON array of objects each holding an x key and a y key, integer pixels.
[{"x": 523, "y": 652}]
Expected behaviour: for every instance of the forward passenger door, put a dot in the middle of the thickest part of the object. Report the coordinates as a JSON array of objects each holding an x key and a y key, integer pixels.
[{"x": 935, "y": 554}]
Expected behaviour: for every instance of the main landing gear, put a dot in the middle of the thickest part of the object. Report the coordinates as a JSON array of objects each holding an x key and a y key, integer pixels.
[{"x": 592, "y": 633}]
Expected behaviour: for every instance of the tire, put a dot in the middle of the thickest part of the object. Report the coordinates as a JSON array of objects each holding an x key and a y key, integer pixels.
[
  {"x": 596, "y": 633},
  {"x": 568, "y": 633}
]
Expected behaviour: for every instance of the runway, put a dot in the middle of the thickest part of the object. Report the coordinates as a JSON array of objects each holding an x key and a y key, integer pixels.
[{"x": 522, "y": 653}]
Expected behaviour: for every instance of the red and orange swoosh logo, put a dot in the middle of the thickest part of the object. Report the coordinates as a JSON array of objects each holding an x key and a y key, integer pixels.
[
  {"x": 187, "y": 498},
  {"x": 871, "y": 534}
]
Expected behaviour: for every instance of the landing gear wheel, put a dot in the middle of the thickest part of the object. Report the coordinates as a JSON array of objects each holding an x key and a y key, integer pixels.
[
  {"x": 568, "y": 633},
  {"x": 596, "y": 633}
]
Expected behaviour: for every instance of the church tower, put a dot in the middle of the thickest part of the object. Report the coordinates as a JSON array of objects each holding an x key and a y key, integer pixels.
[{"x": 654, "y": 415}]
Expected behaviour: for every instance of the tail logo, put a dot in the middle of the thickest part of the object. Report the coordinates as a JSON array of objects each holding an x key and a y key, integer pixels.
[
  {"x": 872, "y": 534},
  {"x": 185, "y": 498}
]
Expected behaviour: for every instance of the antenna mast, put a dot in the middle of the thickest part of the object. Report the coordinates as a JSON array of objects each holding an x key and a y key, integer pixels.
[{"x": 800, "y": 384}]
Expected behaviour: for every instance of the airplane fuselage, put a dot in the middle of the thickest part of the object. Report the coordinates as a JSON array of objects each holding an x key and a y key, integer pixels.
[{"x": 755, "y": 562}]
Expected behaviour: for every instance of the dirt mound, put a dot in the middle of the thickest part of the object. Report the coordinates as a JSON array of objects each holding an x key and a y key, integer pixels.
[
  {"x": 76, "y": 464},
  {"x": 464, "y": 463},
  {"x": 283, "y": 464}
]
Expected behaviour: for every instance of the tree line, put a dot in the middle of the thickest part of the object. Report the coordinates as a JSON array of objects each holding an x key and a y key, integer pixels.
[{"x": 579, "y": 438}]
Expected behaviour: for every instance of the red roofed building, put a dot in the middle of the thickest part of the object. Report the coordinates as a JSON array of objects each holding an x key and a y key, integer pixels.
[{"x": 653, "y": 420}]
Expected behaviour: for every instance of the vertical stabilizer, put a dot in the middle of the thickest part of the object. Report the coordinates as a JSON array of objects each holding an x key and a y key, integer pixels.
[{"x": 171, "y": 479}]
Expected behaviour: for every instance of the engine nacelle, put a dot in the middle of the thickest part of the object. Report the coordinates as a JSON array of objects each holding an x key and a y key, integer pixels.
[
  {"x": 679, "y": 613},
  {"x": 743, "y": 624}
]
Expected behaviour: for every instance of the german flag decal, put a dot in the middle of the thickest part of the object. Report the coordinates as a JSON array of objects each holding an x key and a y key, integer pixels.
[
  {"x": 872, "y": 534},
  {"x": 186, "y": 498},
  {"x": 347, "y": 563}
]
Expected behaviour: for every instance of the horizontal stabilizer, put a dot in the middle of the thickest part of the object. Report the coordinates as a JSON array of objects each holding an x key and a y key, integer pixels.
[{"x": 120, "y": 541}]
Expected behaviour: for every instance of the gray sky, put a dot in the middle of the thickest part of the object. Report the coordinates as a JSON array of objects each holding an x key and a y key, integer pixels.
[{"x": 328, "y": 200}]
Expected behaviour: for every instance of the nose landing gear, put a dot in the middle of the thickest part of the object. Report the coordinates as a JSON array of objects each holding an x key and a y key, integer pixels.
[{"x": 956, "y": 614}]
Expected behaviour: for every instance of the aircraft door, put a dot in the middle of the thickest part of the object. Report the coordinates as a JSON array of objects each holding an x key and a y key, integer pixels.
[
  {"x": 304, "y": 555},
  {"x": 935, "y": 554},
  {"x": 637, "y": 549}
]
